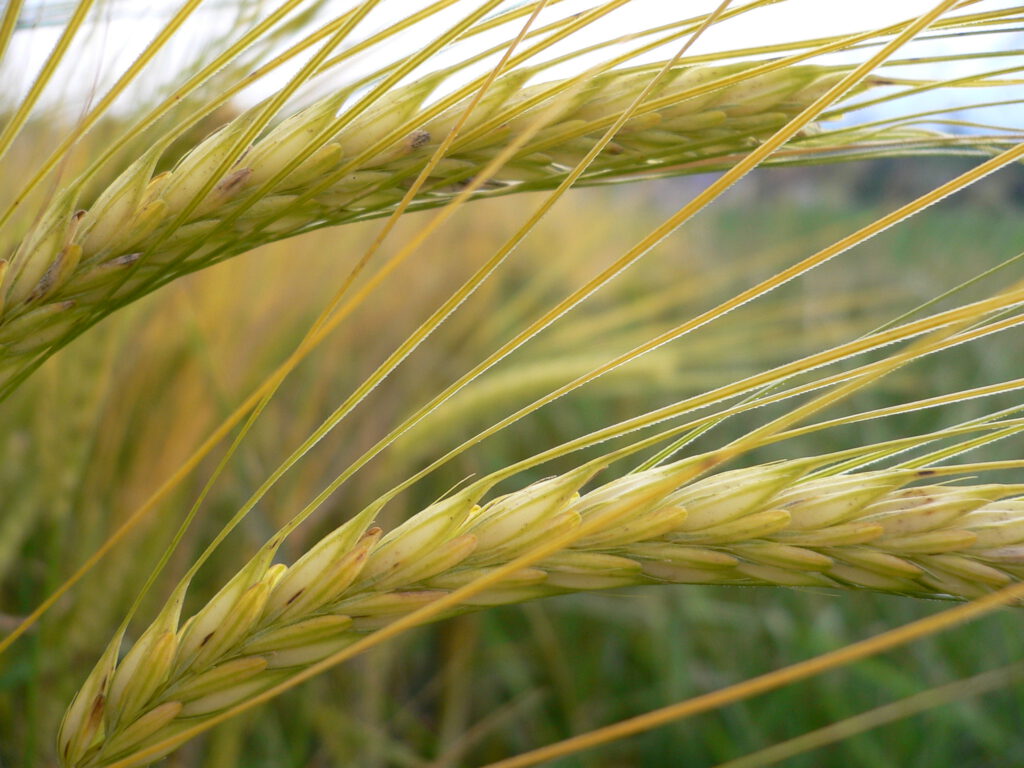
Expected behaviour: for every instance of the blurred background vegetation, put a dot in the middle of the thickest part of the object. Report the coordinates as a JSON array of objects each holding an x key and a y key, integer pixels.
[{"x": 97, "y": 429}]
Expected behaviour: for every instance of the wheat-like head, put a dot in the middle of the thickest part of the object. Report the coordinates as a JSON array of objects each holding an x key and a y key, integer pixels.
[
  {"x": 764, "y": 525},
  {"x": 144, "y": 228}
]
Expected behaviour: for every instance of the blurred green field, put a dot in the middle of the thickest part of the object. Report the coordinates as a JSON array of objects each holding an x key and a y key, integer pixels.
[{"x": 97, "y": 429}]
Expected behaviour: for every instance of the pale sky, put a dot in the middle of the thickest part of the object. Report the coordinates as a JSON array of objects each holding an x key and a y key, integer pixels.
[{"x": 124, "y": 28}]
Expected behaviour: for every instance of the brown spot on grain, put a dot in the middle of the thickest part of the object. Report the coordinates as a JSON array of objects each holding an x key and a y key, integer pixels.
[
  {"x": 230, "y": 183},
  {"x": 97, "y": 708},
  {"x": 417, "y": 138}
]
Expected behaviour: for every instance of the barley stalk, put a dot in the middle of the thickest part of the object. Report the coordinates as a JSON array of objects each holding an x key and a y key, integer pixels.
[
  {"x": 765, "y": 525},
  {"x": 135, "y": 235}
]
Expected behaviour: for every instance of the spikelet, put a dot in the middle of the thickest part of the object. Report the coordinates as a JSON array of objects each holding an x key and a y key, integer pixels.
[
  {"x": 227, "y": 616},
  {"x": 512, "y": 524},
  {"x": 195, "y": 171},
  {"x": 39, "y": 251},
  {"x": 323, "y": 573},
  {"x": 412, "y": 549},
  {"x": 272, "y": 153},
  {"x": 83, "y": 727},
  {"x": 114, "y": 214}
]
